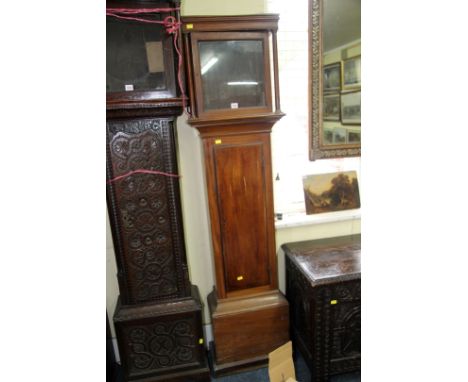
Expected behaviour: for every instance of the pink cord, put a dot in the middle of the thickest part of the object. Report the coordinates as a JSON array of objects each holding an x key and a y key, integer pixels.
[
  {"x": 136, "y": 11},
  {"x": 142, "y": 171}
]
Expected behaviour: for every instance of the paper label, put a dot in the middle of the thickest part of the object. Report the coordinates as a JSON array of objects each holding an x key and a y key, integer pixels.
[
  {"x": 189, "y": 26},
  {"x": 218, "y": 141},
  {"x": 155, "y": 56},
  {"x": 234, "y": 105},
  {"x": 128, "y": 88},
  {"x": 334, "y": 302}
]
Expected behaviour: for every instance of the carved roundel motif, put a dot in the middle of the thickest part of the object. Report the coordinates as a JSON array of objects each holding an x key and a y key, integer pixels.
[
  {"x": 142, "y": 361},
  {"x": 145, "y": 220},
  {"x": 139, "y": 258},
  {"x": 162, "y": 345},
  {"x": 138, "y": 335},
  {"x": 182, "y": 328},
  {"x": 149, "y": 239},
  {"x": 153, "y": 272},
  {"x": 184, "y": 354}
]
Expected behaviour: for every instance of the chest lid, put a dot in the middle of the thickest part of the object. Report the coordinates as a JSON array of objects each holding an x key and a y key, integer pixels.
[{"x": 328, "y": 260}]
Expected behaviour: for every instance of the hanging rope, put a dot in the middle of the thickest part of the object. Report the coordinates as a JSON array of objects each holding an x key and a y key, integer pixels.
[
  {"x": 139, "y": 11},
  {"x": 170, "y": 23},
  {"x": 142, "y": 171}
]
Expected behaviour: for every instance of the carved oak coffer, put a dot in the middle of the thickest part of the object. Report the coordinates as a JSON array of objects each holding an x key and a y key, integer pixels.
[
  {"x": 145, "y": 211},
  {"x": 323, "y": 287},
  {"x": 161, "y": 342}
]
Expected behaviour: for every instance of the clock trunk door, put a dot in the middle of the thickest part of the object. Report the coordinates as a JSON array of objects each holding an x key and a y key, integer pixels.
[{"x": 241, "y": 188}]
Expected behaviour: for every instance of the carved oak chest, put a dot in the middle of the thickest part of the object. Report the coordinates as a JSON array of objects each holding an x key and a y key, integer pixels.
[{"x": 323, "y": 287}]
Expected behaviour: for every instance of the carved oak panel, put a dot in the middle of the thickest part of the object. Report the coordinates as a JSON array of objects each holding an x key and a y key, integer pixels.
[
  {"x": 145, "y": 210},
  {"x": 161, "y": 345},
  {"x": 161, "y": 340}
]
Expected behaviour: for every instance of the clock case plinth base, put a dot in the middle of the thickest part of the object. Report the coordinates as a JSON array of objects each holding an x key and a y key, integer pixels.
[
  {"x": 246, "y": 329},
  {"x": 162, "y": 341}
]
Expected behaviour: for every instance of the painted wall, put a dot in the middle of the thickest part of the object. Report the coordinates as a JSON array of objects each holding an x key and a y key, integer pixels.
[
  {"x": 222, "y": 7},
  {"x": 193, "y": 193}
]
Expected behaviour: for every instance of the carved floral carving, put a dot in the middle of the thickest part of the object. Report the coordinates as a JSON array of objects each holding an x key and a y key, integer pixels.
[
  {"x": 144, "y": 211},
  {"x": 161, "y": 345}
]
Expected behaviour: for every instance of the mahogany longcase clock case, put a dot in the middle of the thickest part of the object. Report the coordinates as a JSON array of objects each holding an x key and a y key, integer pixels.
[
  {"x": 232, "y": 73},
  {"x": 158, "y": 318}
]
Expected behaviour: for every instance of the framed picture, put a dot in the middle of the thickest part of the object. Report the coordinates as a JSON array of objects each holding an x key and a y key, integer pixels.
[
  {"x": 339, "y": 135},
  {"x": 351, "y": 108},
  {"x": 332, "y": 77},
  {"x": 331, "y": 192},
  {"x": 327, "y": 136},
  {"x": 331, "y": 107},
  {"x": 354, "y": 136},
  {"x": 351, "y": 73}
]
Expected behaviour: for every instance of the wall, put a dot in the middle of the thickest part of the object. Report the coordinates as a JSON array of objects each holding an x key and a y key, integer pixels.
[
  {"x": 193, "y": 194},
  {"x": 222, "y": 7}
]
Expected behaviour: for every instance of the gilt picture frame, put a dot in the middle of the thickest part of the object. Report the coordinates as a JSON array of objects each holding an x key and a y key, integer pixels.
[{"x": 321, "y": 145}]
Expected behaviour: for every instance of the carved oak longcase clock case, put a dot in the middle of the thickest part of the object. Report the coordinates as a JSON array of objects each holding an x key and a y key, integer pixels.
[
  {"x": 234, "y": 100},
  {"x": 158, "y": 318}
]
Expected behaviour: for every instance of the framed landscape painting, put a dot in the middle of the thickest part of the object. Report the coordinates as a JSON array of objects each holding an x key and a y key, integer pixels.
[
  {"x": 331, "y": 192},
  {"x": 327, "y": 136},
  {"x": 351, "y": 108},
  {"x": 339, "y": 135},
  {"x": 331, "y": 107},
  {"x": 332, "y": 77},
  {"x": 354, "y": 136},
  {"x": 351, "y": 75}
]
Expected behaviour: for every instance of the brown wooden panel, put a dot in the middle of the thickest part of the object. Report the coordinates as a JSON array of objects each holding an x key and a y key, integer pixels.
[
  {"x": 228, "y": 23},
  {"x": 249, "y": 327},
  {"x": 240, "y": 183}
]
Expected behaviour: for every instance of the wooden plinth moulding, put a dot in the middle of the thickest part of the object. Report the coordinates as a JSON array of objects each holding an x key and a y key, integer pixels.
[{"x": 230, "y": 77}]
